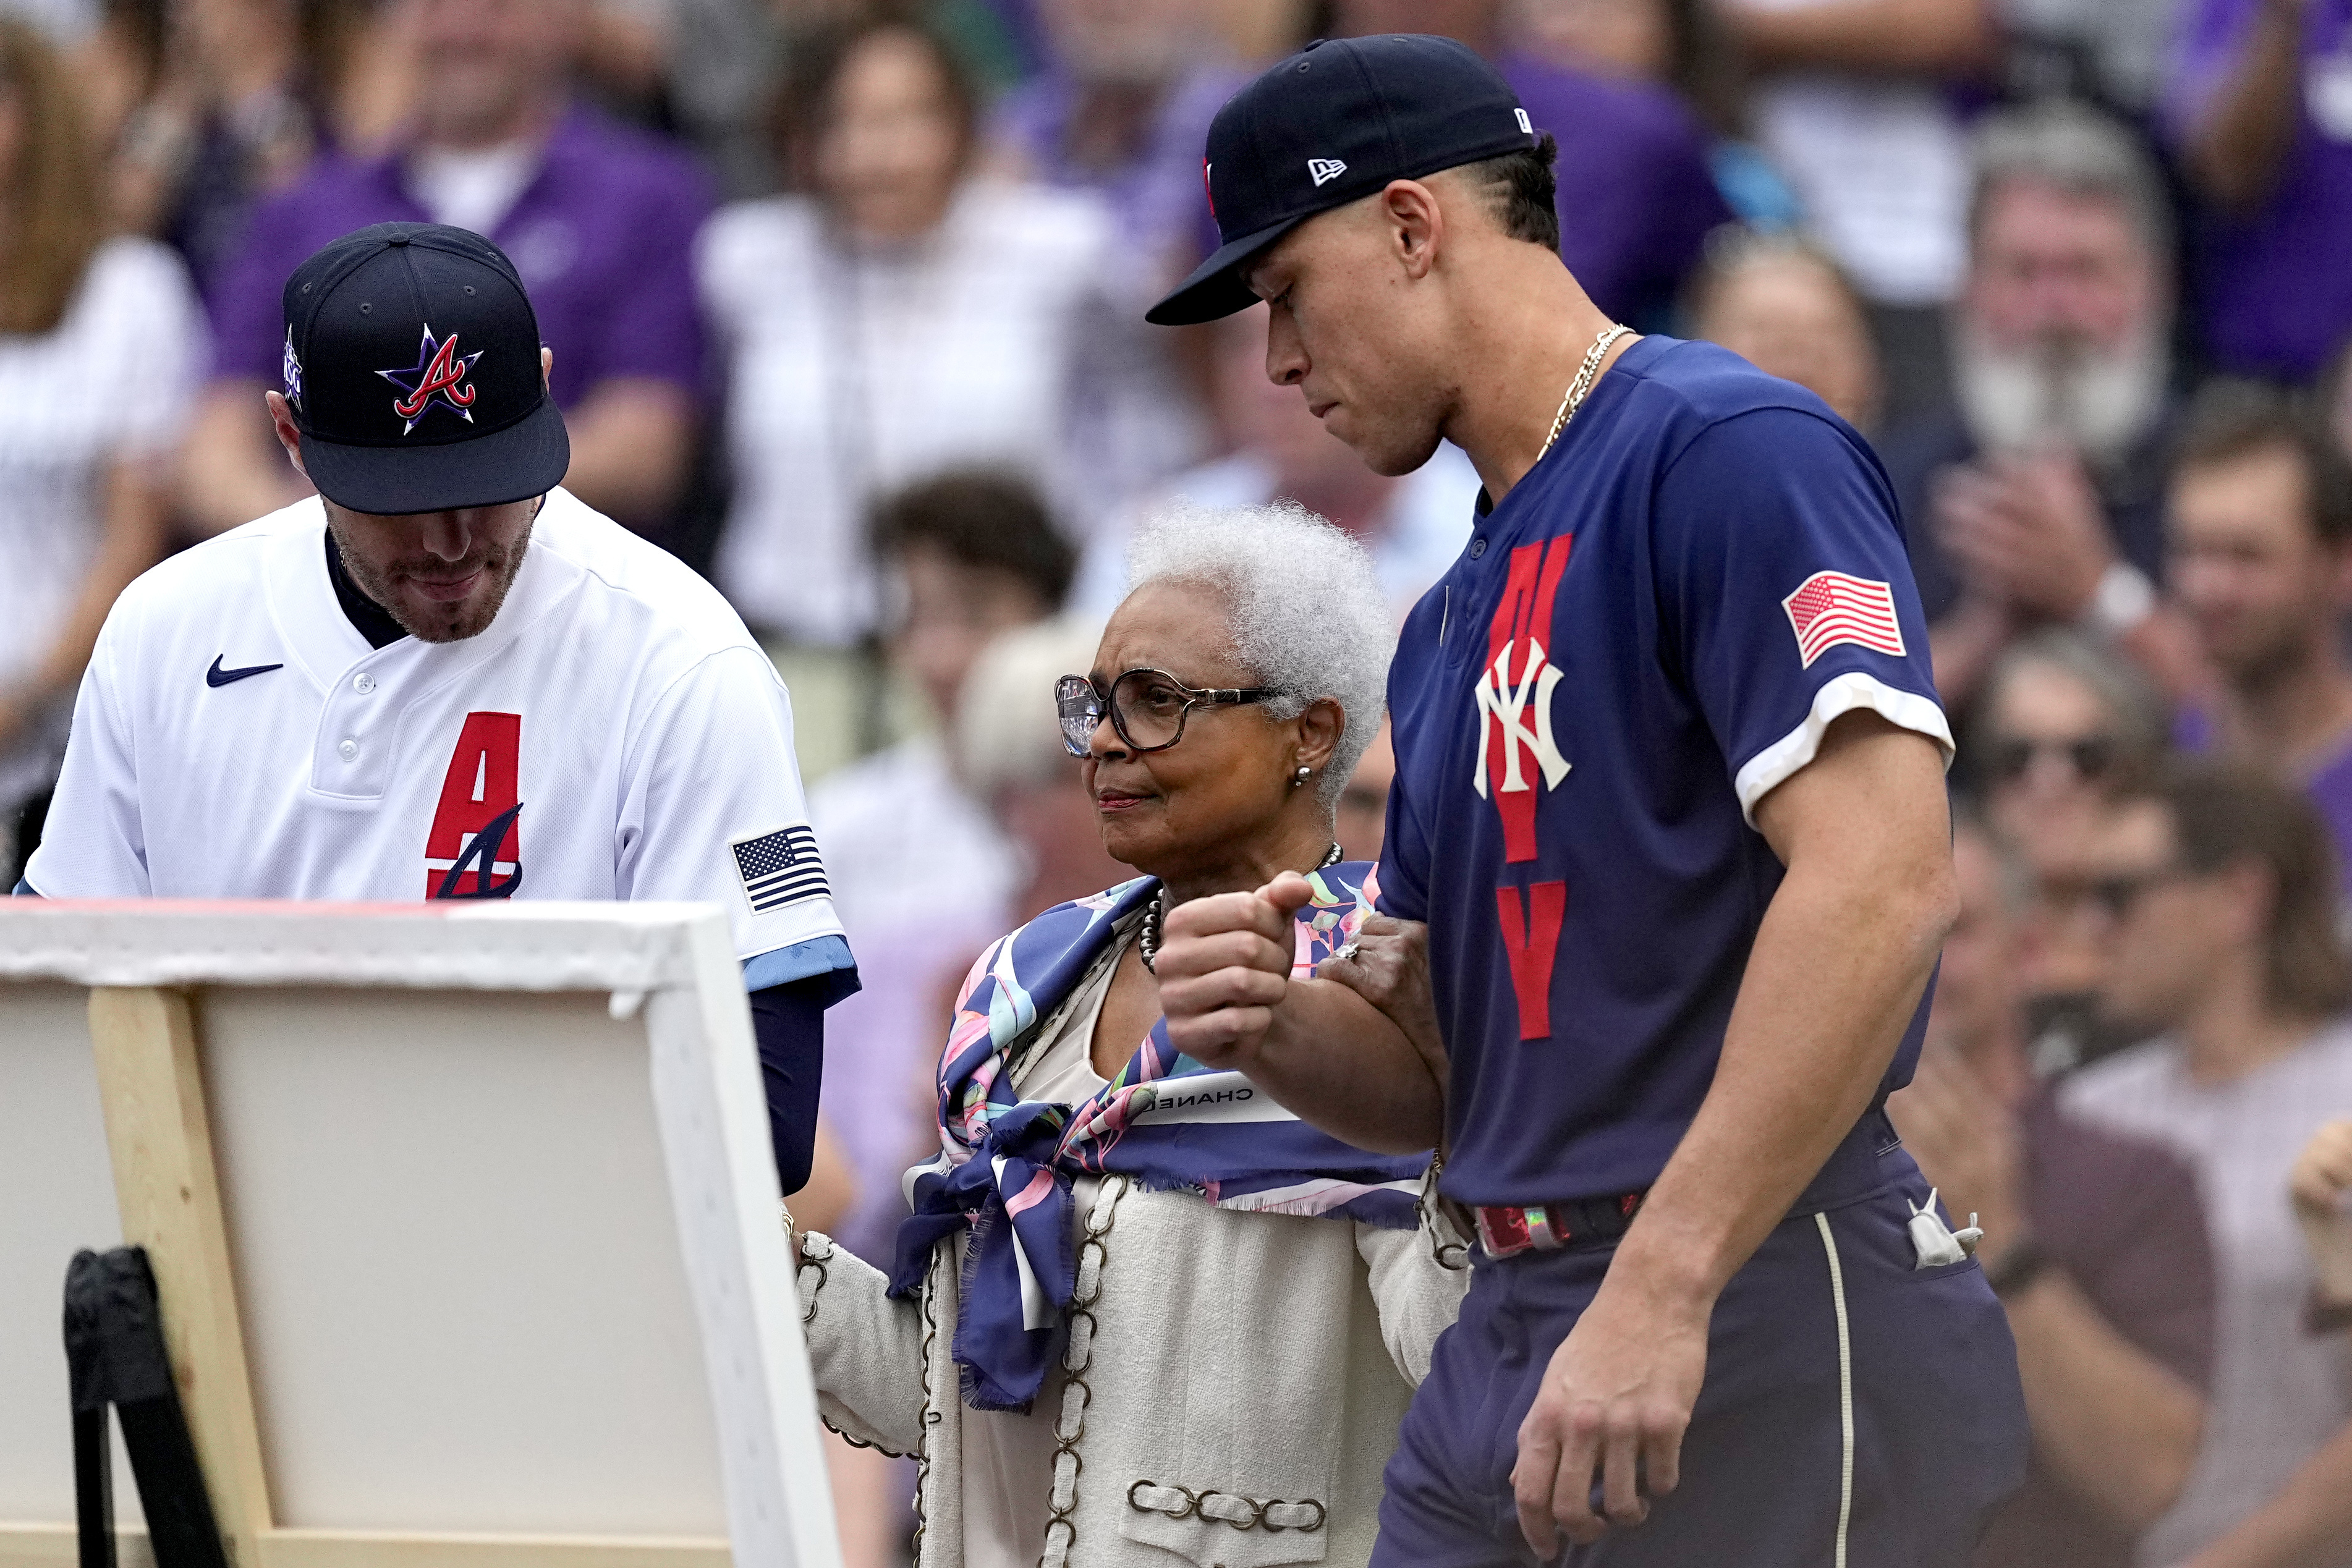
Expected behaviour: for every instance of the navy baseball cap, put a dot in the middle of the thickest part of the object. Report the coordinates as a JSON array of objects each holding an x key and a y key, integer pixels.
[
  {"x": 412, "y": 370},
  {"x": 1331, "y": 125}
]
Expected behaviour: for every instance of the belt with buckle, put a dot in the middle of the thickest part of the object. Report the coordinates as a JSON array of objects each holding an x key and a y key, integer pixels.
[{"x": 1506, "y": 1232}]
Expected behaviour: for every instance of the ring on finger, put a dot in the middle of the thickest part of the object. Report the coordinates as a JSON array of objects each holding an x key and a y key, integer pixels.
[{"x": 1346, "y": 954}]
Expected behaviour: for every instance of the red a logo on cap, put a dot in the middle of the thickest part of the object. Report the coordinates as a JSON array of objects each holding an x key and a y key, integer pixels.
[{"x": 439, "y": 376}]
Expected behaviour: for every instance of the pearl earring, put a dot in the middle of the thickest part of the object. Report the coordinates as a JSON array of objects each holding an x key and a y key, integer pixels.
[{"x": 1303, "y": 773}]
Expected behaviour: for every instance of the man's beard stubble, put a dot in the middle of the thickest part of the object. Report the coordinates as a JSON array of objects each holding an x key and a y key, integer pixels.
[{"x": 454, "y": 623}]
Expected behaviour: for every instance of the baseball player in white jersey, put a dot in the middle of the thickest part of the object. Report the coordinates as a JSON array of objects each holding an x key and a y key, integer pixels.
[{"x": 446, "y": 677}]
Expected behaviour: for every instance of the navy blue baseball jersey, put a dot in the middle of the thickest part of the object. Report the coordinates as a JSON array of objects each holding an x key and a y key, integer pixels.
[{"x": 1651, "y": 631}]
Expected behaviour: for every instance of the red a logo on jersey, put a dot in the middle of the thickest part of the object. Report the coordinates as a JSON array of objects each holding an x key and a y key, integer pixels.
[
  {"x": 475, "y": 847},
  {"x": 1514, "y": 697}
]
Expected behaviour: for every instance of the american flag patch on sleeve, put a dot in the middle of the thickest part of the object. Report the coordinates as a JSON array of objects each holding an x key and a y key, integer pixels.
[
  {"x": 1829, "y": 608},
  {"x": 780, "y": 868}
]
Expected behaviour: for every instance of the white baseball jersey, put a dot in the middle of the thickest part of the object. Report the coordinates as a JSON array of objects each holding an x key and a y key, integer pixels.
[{"x": 616, "y": 734}]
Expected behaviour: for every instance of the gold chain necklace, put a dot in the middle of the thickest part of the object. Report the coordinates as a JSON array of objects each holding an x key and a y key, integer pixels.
[{"x": 1573, "y": 399}]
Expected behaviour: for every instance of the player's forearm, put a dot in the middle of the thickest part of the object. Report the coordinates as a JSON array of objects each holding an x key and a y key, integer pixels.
[
  {"x": 1838, "y": 966},
  {"x": 2118, "y": 1427},
  {"x": 1339, "y": 1063},
  {"x": 2305, "y": 1526},
  {"x": 2235, "y": 152}
]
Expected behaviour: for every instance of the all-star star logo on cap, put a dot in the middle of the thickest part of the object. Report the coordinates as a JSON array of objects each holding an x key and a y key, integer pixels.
[{"x": 439, "y": 376}]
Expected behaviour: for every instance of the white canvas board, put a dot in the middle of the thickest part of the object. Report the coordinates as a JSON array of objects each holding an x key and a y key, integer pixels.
[
  {"x": 508, "y": 1251},
  {"x": 464, "y": 1302}
]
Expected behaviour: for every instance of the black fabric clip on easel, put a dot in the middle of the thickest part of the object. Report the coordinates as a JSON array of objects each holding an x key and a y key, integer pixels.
[{"x": 115, "y": 1356}]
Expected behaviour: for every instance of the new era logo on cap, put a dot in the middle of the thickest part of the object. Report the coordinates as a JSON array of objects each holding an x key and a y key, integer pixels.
[
  {"x": 1355, "y": 113},
  {"x": 1831, "y": 607}
]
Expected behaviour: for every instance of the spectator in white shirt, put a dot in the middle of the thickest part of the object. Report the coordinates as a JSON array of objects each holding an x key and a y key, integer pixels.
[
  {"x": 893, "y": 319},
  {"x": 97, "y": 344},
  {"x": 926, "y": 876},
  {"x": 2309, "y": 1521},
  {"x": 2219, "y": 889}
]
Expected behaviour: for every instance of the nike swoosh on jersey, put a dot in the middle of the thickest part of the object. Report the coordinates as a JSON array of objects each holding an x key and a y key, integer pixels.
[{"x": 217, "y": 676}]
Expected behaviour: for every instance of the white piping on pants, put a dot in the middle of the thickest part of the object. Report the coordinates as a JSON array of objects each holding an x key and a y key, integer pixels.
[{"x": 1845, "y": 1386}]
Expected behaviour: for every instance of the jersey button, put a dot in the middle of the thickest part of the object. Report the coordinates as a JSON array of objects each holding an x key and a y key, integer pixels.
[
  {"x": 1478, "y": 548},
  {"x": 363, "y": 683},
  {"x": 347, "y": 749}
]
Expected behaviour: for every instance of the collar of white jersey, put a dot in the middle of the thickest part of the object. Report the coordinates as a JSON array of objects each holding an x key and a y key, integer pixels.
[{"x": 321, "y": 640}]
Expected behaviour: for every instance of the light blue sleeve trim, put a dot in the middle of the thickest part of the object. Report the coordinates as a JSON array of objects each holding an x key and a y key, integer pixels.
[
  {"x": 783, "y": 966},
  {"x": 26, "y": 889}
]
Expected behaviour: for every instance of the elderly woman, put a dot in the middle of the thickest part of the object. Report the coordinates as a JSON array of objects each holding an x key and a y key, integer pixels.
[{"x": 1138, "y": 1309}]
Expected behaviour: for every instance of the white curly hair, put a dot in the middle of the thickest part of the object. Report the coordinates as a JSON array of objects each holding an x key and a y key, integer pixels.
[{"x": 1304, "y": 609}]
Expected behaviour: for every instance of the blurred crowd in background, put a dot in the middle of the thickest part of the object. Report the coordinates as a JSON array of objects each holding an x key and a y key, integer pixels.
[{"x": 845, "y": 301}]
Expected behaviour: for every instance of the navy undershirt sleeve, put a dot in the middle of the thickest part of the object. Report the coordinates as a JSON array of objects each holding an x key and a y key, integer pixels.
[{"x": 788, "y": 1021}]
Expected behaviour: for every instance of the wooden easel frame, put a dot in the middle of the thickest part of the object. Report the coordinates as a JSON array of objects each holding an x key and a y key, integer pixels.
[{"x": 149, "y": 1068}]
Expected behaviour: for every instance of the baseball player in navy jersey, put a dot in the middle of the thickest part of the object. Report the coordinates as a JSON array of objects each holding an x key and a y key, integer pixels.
[
  {"x": 1669, "y": 825},
  {"x": 443, "y": 676}
]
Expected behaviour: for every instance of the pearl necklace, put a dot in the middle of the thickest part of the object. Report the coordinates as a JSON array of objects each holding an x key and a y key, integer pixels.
[{"x": 1147, "y": 941}]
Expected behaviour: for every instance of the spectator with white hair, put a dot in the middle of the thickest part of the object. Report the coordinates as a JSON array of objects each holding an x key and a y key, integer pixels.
[
  {"x": 2036, "y": 497},
  {"x": 1288, "y": 1283}
]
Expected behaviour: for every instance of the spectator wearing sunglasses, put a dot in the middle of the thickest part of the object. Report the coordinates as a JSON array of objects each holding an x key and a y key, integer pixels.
[
  {"x": 2261, "y": 542},
  {"x": 1111, "y": 1226},
  {"x": 2219, "y": 892},
  {"x": 2094, "y": 1241},
  {"x": 2063, "y": 723}
]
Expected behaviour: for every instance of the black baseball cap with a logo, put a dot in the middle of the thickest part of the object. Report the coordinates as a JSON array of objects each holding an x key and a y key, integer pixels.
[
  {"x": 1331, "y": 125},
  {"x": 412, "y": 368}
]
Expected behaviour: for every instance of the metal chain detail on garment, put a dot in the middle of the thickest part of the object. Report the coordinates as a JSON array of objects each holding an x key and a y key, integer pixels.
[
  {"x": 815, "y": 1262},
  {"x": 1273, "y": 1514},
  {"x": 932, "y": 1419},
  {"x": 1077, "y": 1354},
  {"x": 1427, "y": 1203}
]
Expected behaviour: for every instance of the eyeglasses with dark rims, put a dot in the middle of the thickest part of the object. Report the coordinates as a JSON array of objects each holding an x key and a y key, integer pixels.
[{"x": 1147, "y": 708}]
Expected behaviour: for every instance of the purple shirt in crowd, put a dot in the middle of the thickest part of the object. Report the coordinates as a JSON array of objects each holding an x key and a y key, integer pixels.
[
  {"x": 2271, "y": 285},
  {"x": 2329, "y": 786},
  {"x": 1636, "y": 198},
  {"x": 603, "y": 236},
  {"x": 2121, "y": 1214},
  {"x": 1158, "y": 197}
]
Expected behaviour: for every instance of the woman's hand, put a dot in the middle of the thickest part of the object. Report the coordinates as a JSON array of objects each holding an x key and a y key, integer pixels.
[
  {"x": 1225, "y": 966},
  {"x": 1388, "y": 966}
]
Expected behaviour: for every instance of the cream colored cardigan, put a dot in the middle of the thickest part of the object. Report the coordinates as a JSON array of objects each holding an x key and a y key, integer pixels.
[{"x": 1234, "y": 1380}]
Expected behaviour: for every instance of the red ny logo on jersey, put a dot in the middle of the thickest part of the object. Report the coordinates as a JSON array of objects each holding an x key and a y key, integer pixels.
[
  {"x": 1515, "y": 754},
  {"x": 474, "y": 848}
]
